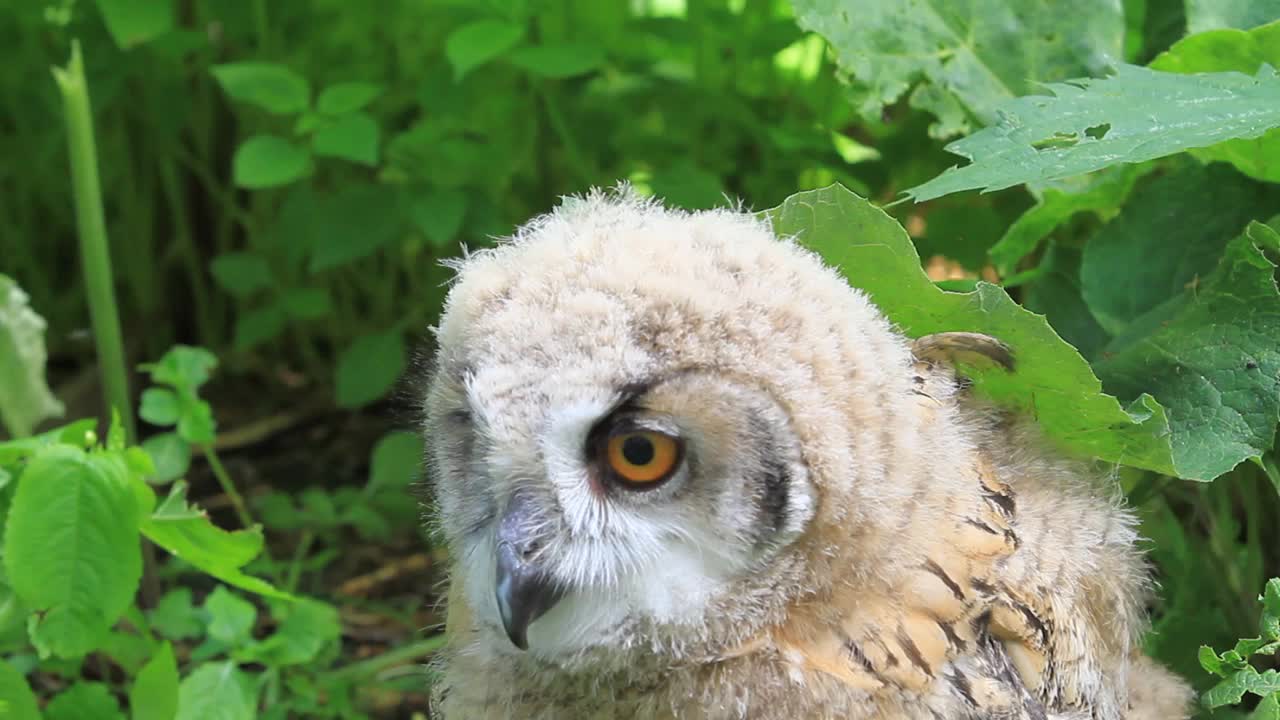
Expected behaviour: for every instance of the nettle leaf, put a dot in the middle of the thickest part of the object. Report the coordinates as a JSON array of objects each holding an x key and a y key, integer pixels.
[
  {"x": 1246, "y": 52},
  {"x": 176, "y": 617},
  {"x": 133, "y": 22},
  {"x": 1209, "y": 356},
  {"x": 217, "y": 691},
  {"x": 369, "y": 368},
  {"x": 241, "y": 273},
  {"x": 231, "y": 617},
  {"x": 558, "y": 60},
  {"x": 353, "y": 136},
  {"x": 265, "y": 161},
  {"x": 1132, "y": 116},
  {"x": 71, "y": 547},
  {"x": 477, "y": 43},
  {"x": 25, "y": 398},
  {"x": 187, "y": 533},
  {"x": 966, "y": 60},
  {"x": 347, "y": 97},
  {"x": 17, "y": 702},
  {"x": 1052, "y": 381},
  {"x": 274, "y": 88},
  {"x": 84, "y": 701},
  {"x": 154, "y": 695},
  {"x": 170, "y": 454},
  {"x": 397, "y": 461}
]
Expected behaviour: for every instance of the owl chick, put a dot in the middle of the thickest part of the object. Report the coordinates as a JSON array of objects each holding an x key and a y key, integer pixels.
[{"x": 685, "y": 471}]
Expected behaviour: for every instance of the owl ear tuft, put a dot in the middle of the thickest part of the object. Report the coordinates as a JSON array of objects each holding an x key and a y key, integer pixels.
[{"x": 963, "y": 348}]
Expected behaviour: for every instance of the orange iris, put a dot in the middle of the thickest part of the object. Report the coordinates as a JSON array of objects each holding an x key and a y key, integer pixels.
[{"x": 643, "y": 456}]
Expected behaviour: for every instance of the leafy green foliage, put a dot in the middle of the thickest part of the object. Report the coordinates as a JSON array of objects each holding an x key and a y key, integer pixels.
[
  {"x": 369, "y": 368},
  {"x": 16, "y": 699},
  {"x": 1238, "y": 675},
  {"x": 154, "y": 695},
  {"x": 26, "y": 399},
  {"x": 274, "y": 88}
]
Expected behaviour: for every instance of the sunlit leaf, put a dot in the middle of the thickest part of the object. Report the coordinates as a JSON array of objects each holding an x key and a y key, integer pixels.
[
  {"x": 347, "y": 97},
  {"x": 154, "y": 695},
  {"x": 17, "y": 702},
  {"x": 473, "y": 45},
  {"x": 217, "y": 691},
  {"x": 84, "y": 701},
  {"x": 274, "y": 88}
]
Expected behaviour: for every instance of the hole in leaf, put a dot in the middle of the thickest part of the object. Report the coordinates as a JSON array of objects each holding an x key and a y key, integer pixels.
[
  {"x": 1057, "y": 141},
  {"x": 1097, "y": 132}
]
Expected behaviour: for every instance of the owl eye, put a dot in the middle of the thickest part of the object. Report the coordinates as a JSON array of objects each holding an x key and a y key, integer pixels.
[{"x": 642, "y": 458}]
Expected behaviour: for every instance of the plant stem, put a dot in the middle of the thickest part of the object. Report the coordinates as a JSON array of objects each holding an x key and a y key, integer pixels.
[
  {"x": 228, "y": 487},
  {"x": 373, "y": 666},
  {"x": 94, "y": 253},
  {"x": 295, "y": 565}
]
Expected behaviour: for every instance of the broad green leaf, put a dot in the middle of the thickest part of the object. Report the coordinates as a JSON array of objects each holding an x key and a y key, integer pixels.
[
  {"x": 1057, "y": 295},
  {"x": 25, "y": 398},
  {"x": 255, "y": 327},
  {"x": 84, "y": 701},
  {"x": 159, "y": 406},
  {"x": 183, "y": 367},
  {"x": 1242, "y": 14},
  {"x": 1246, "y": 52},
  {"x": 274, "y": 88},
  {"x": 306, "y": 303},
  {"x": 176, "y": 617},
  {"x": 477, "y": 43},
  {"x": 1210, "y": 357},
  {"x": 1268, "y": 709},
  {"x": 71, "y": 547},
  {"x": 352, "y": 224},
  {"x": 1053, "y": 381},
  {"x": 217, "y": 691},
  {"x": 438, "y": 214},
  {"x": 397, "y": 461},
  {"x": 369, "y": 368},
  {"x": 265, "y": 161},
  {"x": 133, "y": 22},
  {"x": 187, "y": 533},
  {"x": 78, "y": 434},
  {"x": 127, "y": 650},
  {"x": 1170, "y": 232},
  {"x": 347, "y": 97},
  {"x": 231, "y": 617},
  {"x": 17, "y": 702},
  {"x": 307, "y": 628},
  {"x": 965, "y": 59},
  {"x": 559, "y": 60},
  {"x": 170, "y": 454},
  {"x": 241, "y": 273},
  {"x": 1249, "y": 680},
  {"x": 353, "y": 136},
  {"x": 1130, "y": 117},
  {"x": 154, "y": 695}
]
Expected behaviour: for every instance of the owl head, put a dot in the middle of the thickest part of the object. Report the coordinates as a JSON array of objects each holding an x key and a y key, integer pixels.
[{"x": 652, "y": 430}]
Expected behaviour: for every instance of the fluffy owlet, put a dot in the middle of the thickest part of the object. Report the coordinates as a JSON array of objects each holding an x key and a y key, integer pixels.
[{"x": 685, "y": 471}]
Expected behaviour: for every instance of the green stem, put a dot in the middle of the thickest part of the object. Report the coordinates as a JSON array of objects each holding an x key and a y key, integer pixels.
[
  {"x": 92, "y": 228},
  {"x": 295, "y": 565},
  {"x": 228, "y": 487},
  {"x": 373, "y": 666}
]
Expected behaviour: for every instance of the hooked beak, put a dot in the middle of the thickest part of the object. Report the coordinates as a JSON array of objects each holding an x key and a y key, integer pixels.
[{"x": 523, "y": 590}]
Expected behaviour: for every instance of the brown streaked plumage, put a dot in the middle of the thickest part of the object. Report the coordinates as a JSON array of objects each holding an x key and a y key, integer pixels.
[{"x": 845, "y": 531}]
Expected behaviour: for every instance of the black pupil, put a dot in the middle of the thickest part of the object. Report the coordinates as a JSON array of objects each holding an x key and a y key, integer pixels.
[{"x": 638, "y": 450}]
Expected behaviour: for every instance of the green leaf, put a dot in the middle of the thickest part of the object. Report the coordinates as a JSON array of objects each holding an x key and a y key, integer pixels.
[
  {"x": 1057, "y": 295},
  {"x": 84, "y": 701},
  {"x": 369, "y": 368},
  {"x": 689, "y": 187},
  {"x": 258, "y": 326},
  {"x": 1268, "y": 709},
  {"x": 196, "y": 424},
  {"x": 558, "y": 60},
  {"x": 347, "y": 97},
  {"x": 187, "y": 533},
  {"x": 154, "y": 695},
  {"x": 353, "y": 137},
  {"x": 1210, "y": 357},
  {"x": 1052, "y": 380},
  {"x": 966, "y": 59},
  {"x": 241, "y": 273},
  {"x": 17, "y": 702},
  {"x": 25, "y": 399},
  {"x": 274, "y": 88},
  {"x": 477, "y": 43},
  {"x": 397, "y": 461},
  {"x": 133, "y": 22},
  {"x": 231, "y": 617},
  {"x": 159, "y": 406},
  {"x": 176, "y": 617},
  {"x": 1223, "y": 50},
  {"x": 1249, "y": 680},
  {"x": 306, "y": 303},
  {"x": 353, "y": 224},
  {"x": 265, "y": 161},
  {"x": 71, "y": 547},
  {"x": 217, "y": 691},
  {"x": 308, "y": 627},
  {"x": 1133, "y": 116},
  {"x": 1243, "y": 14},
  {"x": 184, "y": 367},
  {"x": 170, "y": 454},
  {"x": 438, "y": 214}
]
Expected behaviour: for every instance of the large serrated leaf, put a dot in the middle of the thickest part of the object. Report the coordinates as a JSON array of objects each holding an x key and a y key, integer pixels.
[
  {"x": 71, "y": 546},
  {"x": 965, "y": 59},
  {"x": 1135, "y": 115},
  {"x": 25, "y": 399},
  {"x": 1052, "y": 382}
]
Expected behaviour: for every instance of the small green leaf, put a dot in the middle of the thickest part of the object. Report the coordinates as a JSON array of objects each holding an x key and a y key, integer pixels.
[
  {"x": 265, "y": 161},
  {"x": 170, "y": 454},
  {"x": 84, "y": 701},
  {"x": 217, "y": 691},
  {"x": 176, "y": 618},
  {"x": 196, "y": 425},
  {"x": 154, "y": 695},
  {"x": 347, "y": 97},
  {"x": 397, "y": 461},
  {"x": 1248, "y": 680},
  {"x": 369, "y": 368},
  {"x": 17, "y": 702},
  {"x": 183, "y": 367},
  {"x": 231, "y": 617},
  {"x": 352, "y": 224},
  {"x": 306, "y": 629},
  {"x": 438, "y": 214},
  {"x": 558, "y": 60},
  {"x": 274, "y": 88},
  {"x": 473, "y": 45},
  {"x": 353, "y": 137},
  {"x": 241, "y": 273},
  {"x": 306, "y": 303},
  {"x": 26, "y": 399},
  {"x": 133, "y": 22},
  {"x": 318, "y": 508},
  {"x": 258, "y": 326},
  {"x": 71, "y": 547},
  {"x": 159, "y": 406}
]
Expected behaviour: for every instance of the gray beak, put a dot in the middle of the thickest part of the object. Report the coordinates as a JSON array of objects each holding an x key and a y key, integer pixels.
[{"x": 523, "y": 590}]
